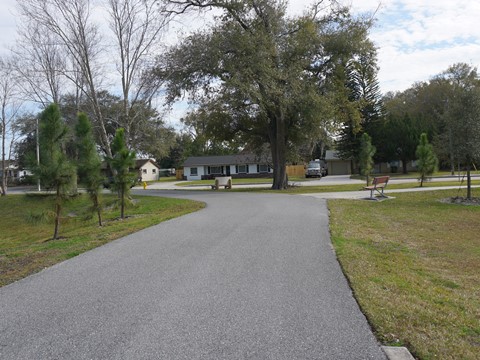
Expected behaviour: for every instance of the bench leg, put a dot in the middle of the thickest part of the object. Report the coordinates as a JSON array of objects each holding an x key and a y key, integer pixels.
[{"x": 381, "y": 193}]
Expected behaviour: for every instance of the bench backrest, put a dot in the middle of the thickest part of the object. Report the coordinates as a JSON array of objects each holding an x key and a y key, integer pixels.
[
  {"x": 223, "y": 180},
  {"x": 380, "y": 180}
]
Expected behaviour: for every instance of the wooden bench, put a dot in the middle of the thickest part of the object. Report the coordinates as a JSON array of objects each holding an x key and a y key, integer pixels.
[
  {"x": 225, "y": 181},
  {"x": 378, "y": 184}
]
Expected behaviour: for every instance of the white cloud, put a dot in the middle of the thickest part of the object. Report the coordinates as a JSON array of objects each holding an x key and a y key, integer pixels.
[
  {"x": 419, "y": 39},
  {"x": 416, "y": 38},
  {"x": 7, "y": 25}
]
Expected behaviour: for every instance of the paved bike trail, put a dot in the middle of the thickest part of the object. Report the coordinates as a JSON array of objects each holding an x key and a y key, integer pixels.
[{"x": 251, "y": 276}]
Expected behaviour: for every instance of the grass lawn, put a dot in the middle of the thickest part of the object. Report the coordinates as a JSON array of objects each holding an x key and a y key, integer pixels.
[
  {"x": 414, "y": 265},
  {"x": 25, "y": 247},
  {"x": 350, "y": 187},
  {"x": 416, "y": 175},
  {"x": 165, "y": 179}
]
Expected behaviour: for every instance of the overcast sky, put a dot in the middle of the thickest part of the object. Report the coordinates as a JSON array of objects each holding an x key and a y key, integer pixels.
[{"x": 416, "y": 39}]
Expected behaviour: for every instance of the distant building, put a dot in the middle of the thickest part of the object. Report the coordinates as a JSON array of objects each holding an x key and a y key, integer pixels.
[
  {"x": 336, "y": 165},
  {"x": 14, "y": 173},
  {"x": 147, "y": 169},
  {"x": 236, "y": 166}
]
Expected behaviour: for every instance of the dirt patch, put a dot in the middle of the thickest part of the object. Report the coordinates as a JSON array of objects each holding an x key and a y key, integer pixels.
[{"x": 460, "y": 200}]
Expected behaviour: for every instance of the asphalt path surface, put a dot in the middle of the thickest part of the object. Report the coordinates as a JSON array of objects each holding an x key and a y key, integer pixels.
[{"x": 251, "y": 276}]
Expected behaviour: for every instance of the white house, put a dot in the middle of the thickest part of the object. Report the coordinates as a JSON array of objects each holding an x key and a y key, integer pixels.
[
  {"x": 14, "y": 173},
  {"x": 236, "y": 166},
  {"x": 147, "y": 169}
]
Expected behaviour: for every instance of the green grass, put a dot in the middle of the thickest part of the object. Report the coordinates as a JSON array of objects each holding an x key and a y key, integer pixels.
[
  {"x": 26, "y": 248},
  {"x": 165, "y": 179},
  {"x": 414, "y": 264},
  {"x": 416, "y": 175},
  {"x": 351, "y": 187}
]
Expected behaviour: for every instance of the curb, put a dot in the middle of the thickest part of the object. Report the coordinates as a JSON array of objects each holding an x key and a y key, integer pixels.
[{"x": 397, "y": 353}]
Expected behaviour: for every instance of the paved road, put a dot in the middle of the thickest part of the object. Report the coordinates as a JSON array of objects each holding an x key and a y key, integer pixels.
[
  {"x": 251, "y": 276},
  {"x": 327, "y": 180}
]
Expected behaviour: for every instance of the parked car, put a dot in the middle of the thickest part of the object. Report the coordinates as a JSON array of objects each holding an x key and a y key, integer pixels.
[{"x": 316, "y": 168}]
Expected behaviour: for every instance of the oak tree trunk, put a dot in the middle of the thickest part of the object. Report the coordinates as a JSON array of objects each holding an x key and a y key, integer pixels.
[{"x": 278, "y": 145}]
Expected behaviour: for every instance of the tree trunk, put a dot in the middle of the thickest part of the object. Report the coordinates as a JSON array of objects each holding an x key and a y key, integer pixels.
[
  {"x": 279, "y": 156},
  {"x": 122, "y": 202},
  {"x": 4, "y": 163},
  {"x": 404, "y": 165},
  {"x": 450, "y": 148},
  {"x": 3, "y": 185},
  {"x": 58, "y": 209},
  {"x": 469, "y": 182},
  {"x": 96, "y": 203}
]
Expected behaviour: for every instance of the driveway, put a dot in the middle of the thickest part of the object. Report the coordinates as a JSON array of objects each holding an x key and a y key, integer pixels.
[{"x": 251, "y": 276}]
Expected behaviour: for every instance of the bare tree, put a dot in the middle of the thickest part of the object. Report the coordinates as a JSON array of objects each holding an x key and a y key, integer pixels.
[
  {"x": 10, "y": 106},
  {"x": 70, "y": 23},
  {"x": 68, "y": 26},
  {"x": 39, "y": 64},
  {"x": 137, "y": 26}
]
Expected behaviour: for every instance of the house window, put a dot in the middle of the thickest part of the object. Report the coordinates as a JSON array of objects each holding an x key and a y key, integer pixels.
[
  {"x": 263, "y": 168},
  {"x": 144, "y": 171},
  {"x": 154, "y": 171},
  {"x": 242, "y": 169},
  {"x": 215, "y": 170},
  {"x": 194, "y": 171}
]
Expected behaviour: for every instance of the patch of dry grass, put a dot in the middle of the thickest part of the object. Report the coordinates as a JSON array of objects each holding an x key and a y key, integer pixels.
[
  {"x": 25, "y": 247},
  {"x": 414, "y": 265}
]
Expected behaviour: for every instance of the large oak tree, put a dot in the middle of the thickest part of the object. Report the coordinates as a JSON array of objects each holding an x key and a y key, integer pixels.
[{"x": 264, "y": 77}]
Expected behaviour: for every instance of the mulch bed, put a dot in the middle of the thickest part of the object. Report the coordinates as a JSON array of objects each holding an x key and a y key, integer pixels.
[{"x": 460, "y": 200}]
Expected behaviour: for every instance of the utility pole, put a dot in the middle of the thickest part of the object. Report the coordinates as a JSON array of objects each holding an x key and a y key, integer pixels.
[{"x": 38, "y": 156}]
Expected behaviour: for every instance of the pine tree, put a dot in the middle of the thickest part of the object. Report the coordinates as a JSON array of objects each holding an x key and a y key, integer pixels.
[
  {"x": 89, "y": 163},
  {"x": 365, "y": 158},
  {"x": 365, "y": 102},
  {"x": 55, "y": 170},
  {"x": 427, "y": 161},
  {"x": 121, "y": 163}
]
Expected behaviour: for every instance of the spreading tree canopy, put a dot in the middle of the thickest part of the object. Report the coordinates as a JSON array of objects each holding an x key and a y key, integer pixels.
[
  {"x": 263, "y": 77},
  {"x": 463, "y": 122}
]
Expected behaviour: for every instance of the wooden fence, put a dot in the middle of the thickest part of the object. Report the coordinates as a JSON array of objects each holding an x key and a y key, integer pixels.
[
  {"x": 295, "y": 170},
  {"x": 179, "y": 174}
]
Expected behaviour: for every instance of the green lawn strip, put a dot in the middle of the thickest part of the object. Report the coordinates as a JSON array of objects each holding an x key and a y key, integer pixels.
[
  {"x": 24, "y": 246},
  {"x": 416, "y": 175},
  {"x": 351, "y": 187},
  {"x": 414, "y": 263},
  {"x": 164, "y": 179}
]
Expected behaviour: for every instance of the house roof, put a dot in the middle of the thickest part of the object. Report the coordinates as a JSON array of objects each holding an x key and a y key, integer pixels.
[
  {"x": 140, "y": 162},
  {"x": 240, "y": 159}
]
